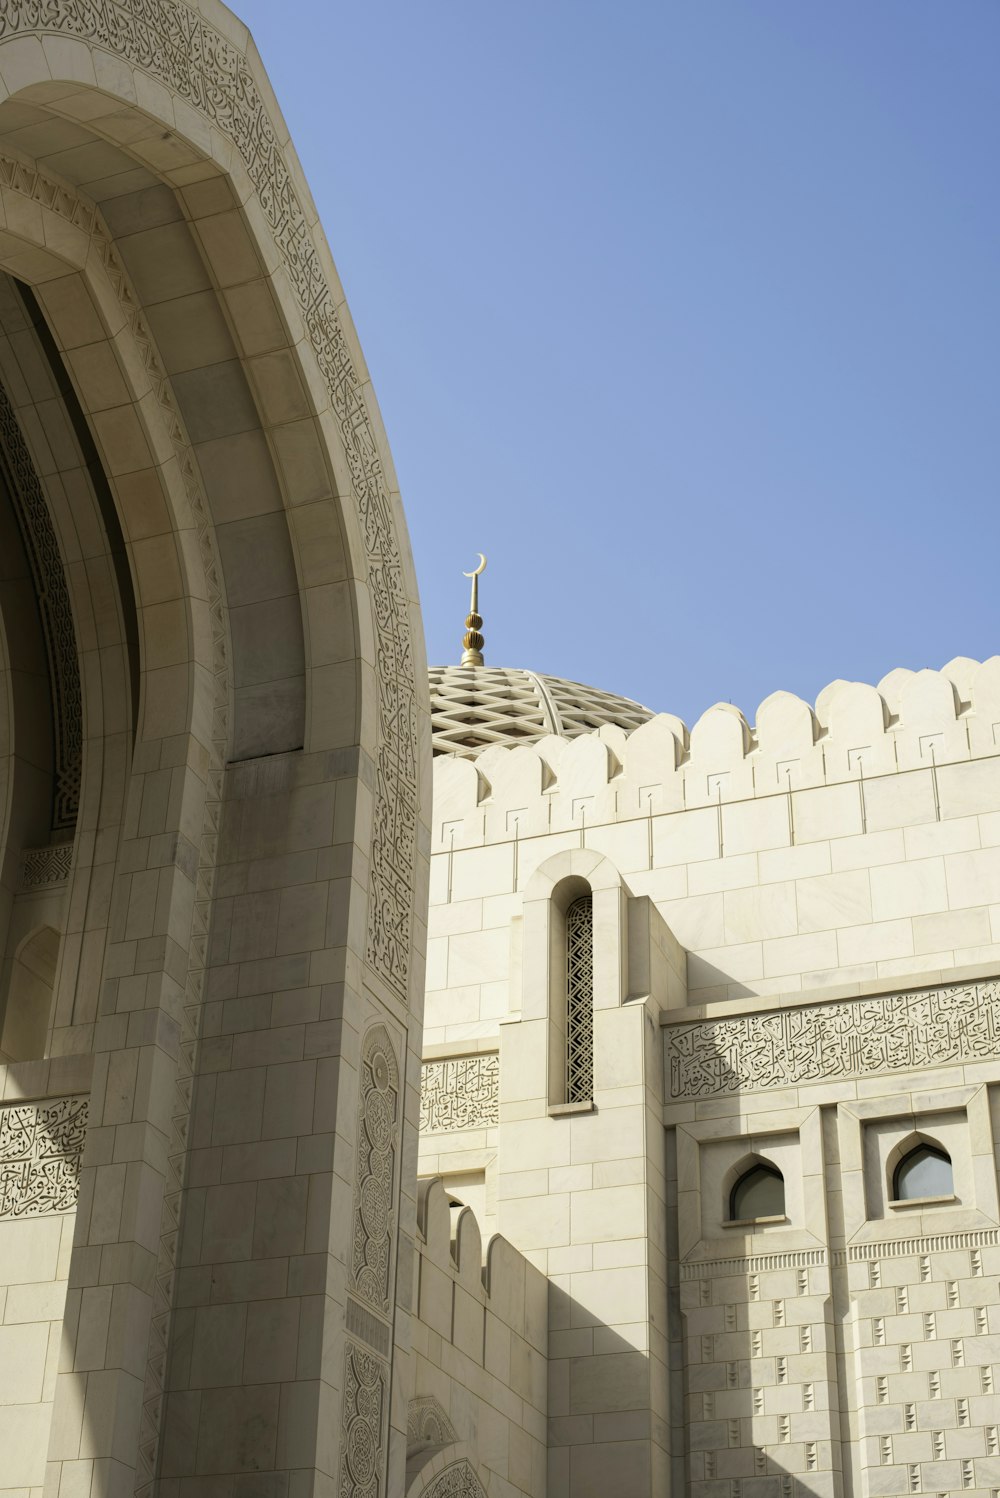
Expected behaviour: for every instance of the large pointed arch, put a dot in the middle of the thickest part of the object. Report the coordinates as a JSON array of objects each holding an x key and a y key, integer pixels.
[{"x": 151, "y": 203}]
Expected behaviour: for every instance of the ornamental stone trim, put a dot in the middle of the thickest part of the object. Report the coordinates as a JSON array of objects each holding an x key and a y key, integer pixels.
[
  {"x": 903, "y": 1248},
  {"x": 427, "y": 1424},
  {"x": 795, "y": 1258},
  {"x": 458, "y": 1480},
  {"x": 46, "y": 868},
  {"x": 366, "y": 1384},
  {"x": 378, "y": 1131},
  {"x": 40, "y": 1149},
  {"x": 170, "y": 41},
  {"x": 846, "y": 1038},
  {"x": 460, "y": 1093}
]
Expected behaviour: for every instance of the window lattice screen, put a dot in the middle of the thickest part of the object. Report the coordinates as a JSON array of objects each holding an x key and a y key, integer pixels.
[{"x": 580, "y": 1000}]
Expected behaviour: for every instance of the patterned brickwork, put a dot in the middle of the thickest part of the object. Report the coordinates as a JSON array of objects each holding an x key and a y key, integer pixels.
[{"x": 760, "y": 1393}]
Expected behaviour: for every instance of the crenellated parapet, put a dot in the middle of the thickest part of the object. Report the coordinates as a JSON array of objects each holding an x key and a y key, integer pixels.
[
  {"x": 913, "y": 720},
  {"x": 460, "y": 1284},
  {"x": 480, "y": 1339}
]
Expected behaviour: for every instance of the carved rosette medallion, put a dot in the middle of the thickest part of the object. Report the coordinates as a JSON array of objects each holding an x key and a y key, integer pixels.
[
  {"x": 40, "y": 1149},
  {"x": 374, "y": 1217},
  {"x": 175, "y": 44},
  {"x": 847, "y": 1038},
  {"x": 463, "y": 1093}
]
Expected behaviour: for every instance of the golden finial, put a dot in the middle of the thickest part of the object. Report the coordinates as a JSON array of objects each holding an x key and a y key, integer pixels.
[{"x": 472, "y": 639}]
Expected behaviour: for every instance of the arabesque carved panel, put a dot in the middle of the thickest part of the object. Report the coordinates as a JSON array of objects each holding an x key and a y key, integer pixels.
[
  {"x": 848, "y": 1038},
  {"x": 40, "y": 1149},
  {"x": 366, "y": 1383},
  {"x": 378, "y": 1135},
  {"x": 463, "y": 1093}
]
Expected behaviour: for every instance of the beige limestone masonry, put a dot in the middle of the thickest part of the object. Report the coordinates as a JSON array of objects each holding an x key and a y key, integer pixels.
[
  {"x": 796, "y": 949},
  {"x": 231, "y": 938}
]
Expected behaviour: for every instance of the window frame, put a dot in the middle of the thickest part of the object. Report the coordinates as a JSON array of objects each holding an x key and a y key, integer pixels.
[
  {"x": 578, "y": 1075},
  {"x": 749, "y": 1168},
  {"x": 915, "y": 1147}
]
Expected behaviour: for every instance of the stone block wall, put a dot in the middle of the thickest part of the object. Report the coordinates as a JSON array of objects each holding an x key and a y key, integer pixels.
[
  {"x": 849, "y": 843},
  {"x": 854, "y": 1345},
  {"x": 823, "y": 891},
  {"x": 42, "y": 1129},
  {"x": 479, "y": 1339}
]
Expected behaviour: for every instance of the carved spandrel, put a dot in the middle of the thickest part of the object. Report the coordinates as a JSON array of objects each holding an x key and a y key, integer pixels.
[
  {"x": 847, "y": 1038},
  {"x": 463, "y": 1093},
  {"x": 40, "y": 1149}
]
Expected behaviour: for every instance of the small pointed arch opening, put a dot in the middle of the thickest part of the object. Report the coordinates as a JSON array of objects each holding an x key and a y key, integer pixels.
[
  {"x": 757, "y": 1193},
  {"x": 28, "y": 1010},
  {"x": 580, "y": 999},
  {"x": 923, "y": 1172}
]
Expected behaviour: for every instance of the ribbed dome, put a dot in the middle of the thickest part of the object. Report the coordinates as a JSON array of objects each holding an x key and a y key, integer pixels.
[{"x": 475, "y": 706}]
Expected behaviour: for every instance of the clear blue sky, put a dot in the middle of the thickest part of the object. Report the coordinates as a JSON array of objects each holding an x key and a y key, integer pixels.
[{"x": 687, "y": 313}]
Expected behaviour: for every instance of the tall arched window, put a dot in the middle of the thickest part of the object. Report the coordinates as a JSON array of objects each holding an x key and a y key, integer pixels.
[
  {"x": 580, "y": 1000},
  {"x": 925, "y": 1171}
]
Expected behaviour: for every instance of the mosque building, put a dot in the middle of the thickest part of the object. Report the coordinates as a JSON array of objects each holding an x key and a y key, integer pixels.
[
  {"x": 426, "y": 1085},
  {"x": 711, "y": 1037}
]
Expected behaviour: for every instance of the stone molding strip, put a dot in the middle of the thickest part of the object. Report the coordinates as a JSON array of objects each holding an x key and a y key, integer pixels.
[
  {"x": 795, "y": 1258},
  {"x": 855, "y": 1253},
  {"x": 901, "y": 1248}
]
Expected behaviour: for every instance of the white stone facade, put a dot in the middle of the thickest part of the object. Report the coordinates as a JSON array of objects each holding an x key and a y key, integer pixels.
[
  {"x": 213, "y": 800},
  {"x": 796, "y": 935},
  {"x": 661, "y": 967}
]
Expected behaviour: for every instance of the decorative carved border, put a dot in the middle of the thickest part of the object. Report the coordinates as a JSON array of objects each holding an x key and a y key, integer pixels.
[
  {"x": 427, "y": 1424},
  {"x": 901, "y": 1248},
  {"x": 795, "y": 1258},
  {"x": 460, "y": 1093},
  {"x": 855, "y": 1253},
  {"x": 844, "y": 1038},
  {"x": 366, "y": 1387},
  {"x": 458, "y": 1480},
  {"x": 40, "y": 1149},
  {"x": 46, "y": 868},
  {"x": 374, "y": 1185},
  {"x": 172, "y": 42}
]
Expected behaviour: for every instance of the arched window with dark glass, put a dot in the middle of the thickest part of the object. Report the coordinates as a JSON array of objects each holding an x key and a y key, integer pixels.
[
  {"x": 759, "y": 1192},
  {"x": 924, "y": 1171},
  {"x": 580, "y": 1000}
]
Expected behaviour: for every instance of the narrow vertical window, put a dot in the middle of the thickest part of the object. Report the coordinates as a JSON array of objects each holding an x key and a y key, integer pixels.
[{"x": 580, "y": 1000}]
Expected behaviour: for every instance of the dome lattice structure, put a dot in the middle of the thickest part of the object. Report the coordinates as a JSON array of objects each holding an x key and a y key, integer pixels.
[{"x": 475, "y": 706}]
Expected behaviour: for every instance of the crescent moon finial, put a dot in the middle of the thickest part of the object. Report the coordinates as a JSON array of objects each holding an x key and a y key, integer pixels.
[{"x": 473, "y": 640}]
